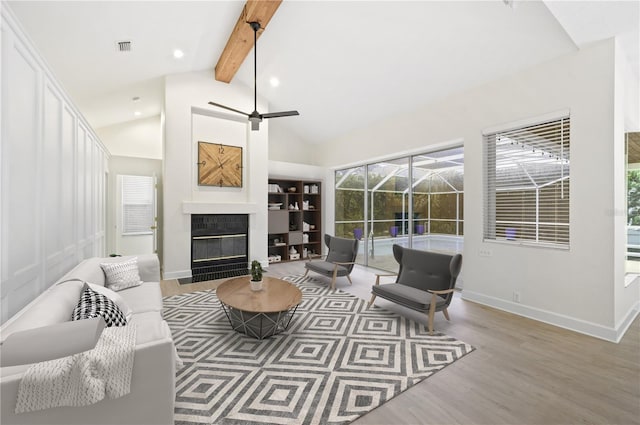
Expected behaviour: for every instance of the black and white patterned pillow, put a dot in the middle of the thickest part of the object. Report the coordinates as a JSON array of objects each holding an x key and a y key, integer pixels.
[{"x": 93, "y": 304}]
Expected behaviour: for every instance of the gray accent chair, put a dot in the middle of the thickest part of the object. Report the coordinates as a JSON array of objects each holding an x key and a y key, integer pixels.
[
  {"x": 426, "y": 281},
  {"x": 339, "y": 261}
]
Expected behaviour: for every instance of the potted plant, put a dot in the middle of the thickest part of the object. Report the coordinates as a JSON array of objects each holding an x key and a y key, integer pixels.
[{"x": 256, "y": 276}]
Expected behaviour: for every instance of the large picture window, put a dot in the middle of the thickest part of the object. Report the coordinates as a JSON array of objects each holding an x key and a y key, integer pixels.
[
  {"x": 414, "y": 201},
  {"x": 527, "y": 184}
]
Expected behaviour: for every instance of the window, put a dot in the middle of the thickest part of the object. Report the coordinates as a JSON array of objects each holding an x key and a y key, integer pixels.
[
  {"x": 527, "y": 184},
  {"x": 137, "y": 205},
  {"x": 414, "y": 201}
]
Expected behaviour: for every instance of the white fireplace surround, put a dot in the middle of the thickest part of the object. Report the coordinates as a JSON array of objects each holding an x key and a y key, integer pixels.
[{"x": 190, "y": 207}]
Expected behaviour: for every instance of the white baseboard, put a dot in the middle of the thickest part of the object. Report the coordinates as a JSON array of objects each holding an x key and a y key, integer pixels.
[
  {"x": 179, "y": 274},
  {"x": 578, "y": 325},
  {"x": 626, "y": 321}
]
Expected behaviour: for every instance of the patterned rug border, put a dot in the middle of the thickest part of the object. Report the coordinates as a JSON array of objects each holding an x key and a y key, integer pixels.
[{"x": 229, "y": 378}]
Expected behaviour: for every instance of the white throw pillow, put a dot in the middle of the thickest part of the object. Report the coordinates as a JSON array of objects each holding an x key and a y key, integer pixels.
[
  {"x": 122, "y": 275},
  {"x": 115, "y": 297}
]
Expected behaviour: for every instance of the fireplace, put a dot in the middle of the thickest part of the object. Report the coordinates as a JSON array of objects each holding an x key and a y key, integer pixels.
[{"x": 219, "y": 246}]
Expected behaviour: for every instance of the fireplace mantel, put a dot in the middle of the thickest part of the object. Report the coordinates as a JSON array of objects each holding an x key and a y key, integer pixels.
[{"x": 190, "y": 207}]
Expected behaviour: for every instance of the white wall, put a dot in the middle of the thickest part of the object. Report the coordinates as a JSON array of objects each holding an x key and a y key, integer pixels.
[
  {"x": 138, "y": 138},
  {"x": 572, "y": 288},
  {"x": 53, "y": 170},
  {"x": 288, "y": 147},
  {"x": 187, "y": 120}
]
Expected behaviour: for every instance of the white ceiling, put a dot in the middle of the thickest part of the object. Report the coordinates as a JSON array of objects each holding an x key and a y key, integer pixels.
[{"x": 342, "y": 64}]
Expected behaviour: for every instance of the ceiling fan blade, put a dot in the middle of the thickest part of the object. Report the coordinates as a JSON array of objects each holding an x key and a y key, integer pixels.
[
  {"x": 227, "y": 108},
  {"x": 280, "y": 114}
]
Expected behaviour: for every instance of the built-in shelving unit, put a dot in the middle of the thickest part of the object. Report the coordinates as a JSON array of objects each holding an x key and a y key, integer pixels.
[{"x": 295, "y": 219}]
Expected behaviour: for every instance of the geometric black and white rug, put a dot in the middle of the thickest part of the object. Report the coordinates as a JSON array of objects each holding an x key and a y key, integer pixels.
[{"x": 337, "y": 360}]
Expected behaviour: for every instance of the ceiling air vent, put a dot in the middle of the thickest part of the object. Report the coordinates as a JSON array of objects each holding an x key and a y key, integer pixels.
[{"x": 124, "y": 46}]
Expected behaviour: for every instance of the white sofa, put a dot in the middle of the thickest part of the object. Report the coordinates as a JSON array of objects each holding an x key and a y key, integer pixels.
[{"x": 151, "y": 400}]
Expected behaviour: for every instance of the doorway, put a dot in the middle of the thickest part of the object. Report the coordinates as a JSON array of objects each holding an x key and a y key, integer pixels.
[{"x": 136, "y": 215}]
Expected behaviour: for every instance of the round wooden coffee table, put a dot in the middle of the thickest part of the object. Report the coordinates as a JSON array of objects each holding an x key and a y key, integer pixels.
[{"x": 259, "y": 314}]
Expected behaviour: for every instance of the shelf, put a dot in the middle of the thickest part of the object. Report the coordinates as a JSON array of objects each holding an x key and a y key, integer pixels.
[{"x": 279, "y": 220}]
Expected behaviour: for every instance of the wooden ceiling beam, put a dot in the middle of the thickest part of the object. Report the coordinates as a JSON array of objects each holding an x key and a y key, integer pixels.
[{"x": 241, "y": 39}]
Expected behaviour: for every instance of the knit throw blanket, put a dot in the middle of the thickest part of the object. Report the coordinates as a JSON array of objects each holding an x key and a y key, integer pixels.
[{"x": 83, "y": 378}]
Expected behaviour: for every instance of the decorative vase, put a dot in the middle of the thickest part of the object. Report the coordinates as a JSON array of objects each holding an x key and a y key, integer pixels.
[
  {"x": 393, "y": 231},
  {"x": 256, "y": 285},
  {"x": 420, "y": 229},
  {"x": 357, "y": 233}
]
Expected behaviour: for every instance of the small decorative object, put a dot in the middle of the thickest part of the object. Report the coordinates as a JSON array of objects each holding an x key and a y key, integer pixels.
[
  {"x": 314, "y": 188},
  {"x": 306, "y": 188},
  {"x": 305, "y": 205},
  {"x": 291, "y": 207},
  {"x": 312, "y": 227},
  {"x": 305, "y": 226},
  {"x": 295, "y": 256},
  {"x": 304, "y": 253},
  {"x": 393, "y": 231},
  {"x": 292, "y": 189},
  {"x": 296, "y": 207},
  {"x": 510, "y": 233},
  {"x": 256, "y": 275},
  {"x": 305, "y": 238},
  {"x": 420, "y": 229},
  {"x": 357, "y": 233}
]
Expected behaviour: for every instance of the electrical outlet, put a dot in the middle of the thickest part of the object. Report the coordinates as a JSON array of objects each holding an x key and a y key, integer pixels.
[
  {"x": 516, "y": 296},
  {"x": 485, "y": 252}
]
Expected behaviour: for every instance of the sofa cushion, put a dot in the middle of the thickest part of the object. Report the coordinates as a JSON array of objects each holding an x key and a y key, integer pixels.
[
  {"x": 149, "y": 327},
  {"x": 92, "y": 304},
  {"x": 121, "y": 275},
  {"x": 143, "y": 298}
]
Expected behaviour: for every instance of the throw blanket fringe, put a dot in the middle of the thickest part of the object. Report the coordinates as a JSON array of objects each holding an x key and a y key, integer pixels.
[{"x": 84, "y": 378}]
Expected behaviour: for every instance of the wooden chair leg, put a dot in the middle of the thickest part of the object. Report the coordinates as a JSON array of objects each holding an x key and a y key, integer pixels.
[
  {"x": 430, "y": 325},
  {"x": 333, "y": 280},
  {"x": 306, "y": 273},
  {"x": 432, "y": 312},
  {"x": 446, "y": 313},
  {"x": 350, "y": 282},
  {"x": 373, "y": 297}
]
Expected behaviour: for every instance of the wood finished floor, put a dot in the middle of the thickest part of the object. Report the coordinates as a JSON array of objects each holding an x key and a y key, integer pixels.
[{"x": 522, "y": 372}]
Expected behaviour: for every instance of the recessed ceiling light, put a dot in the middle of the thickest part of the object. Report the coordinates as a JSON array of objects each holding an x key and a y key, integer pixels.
[
  {"x": 178, "y": 53},
  {"x": 274, "y": 82},
  {"x": 137, "y": 113}
]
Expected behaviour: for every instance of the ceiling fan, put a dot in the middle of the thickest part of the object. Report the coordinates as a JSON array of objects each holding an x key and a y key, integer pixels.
[{"x": 255, "y": 118}]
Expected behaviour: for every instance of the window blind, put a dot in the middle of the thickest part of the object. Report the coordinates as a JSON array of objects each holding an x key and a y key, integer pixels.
[
  {"x": 527, "y": 183},
  {"x": 137, "y": 204}
]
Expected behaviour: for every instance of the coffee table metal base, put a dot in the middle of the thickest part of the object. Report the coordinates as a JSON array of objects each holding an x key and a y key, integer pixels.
[{"x": 258, "y": 325}]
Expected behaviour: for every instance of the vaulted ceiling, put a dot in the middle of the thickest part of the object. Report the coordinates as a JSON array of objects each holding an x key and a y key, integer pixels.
[{"x": 343, "y": 65}]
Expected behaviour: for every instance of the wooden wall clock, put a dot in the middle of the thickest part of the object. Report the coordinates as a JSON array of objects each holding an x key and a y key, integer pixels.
[{"x": 219, "y": 165}]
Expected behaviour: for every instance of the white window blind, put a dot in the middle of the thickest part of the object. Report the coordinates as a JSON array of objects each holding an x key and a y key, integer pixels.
[
  {"x": 527, "y": 184},
  {"x": 137, "y": 204}
]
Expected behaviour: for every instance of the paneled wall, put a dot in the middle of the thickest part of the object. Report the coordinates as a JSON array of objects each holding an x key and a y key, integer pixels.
[{"x": 52, "y": 174}]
